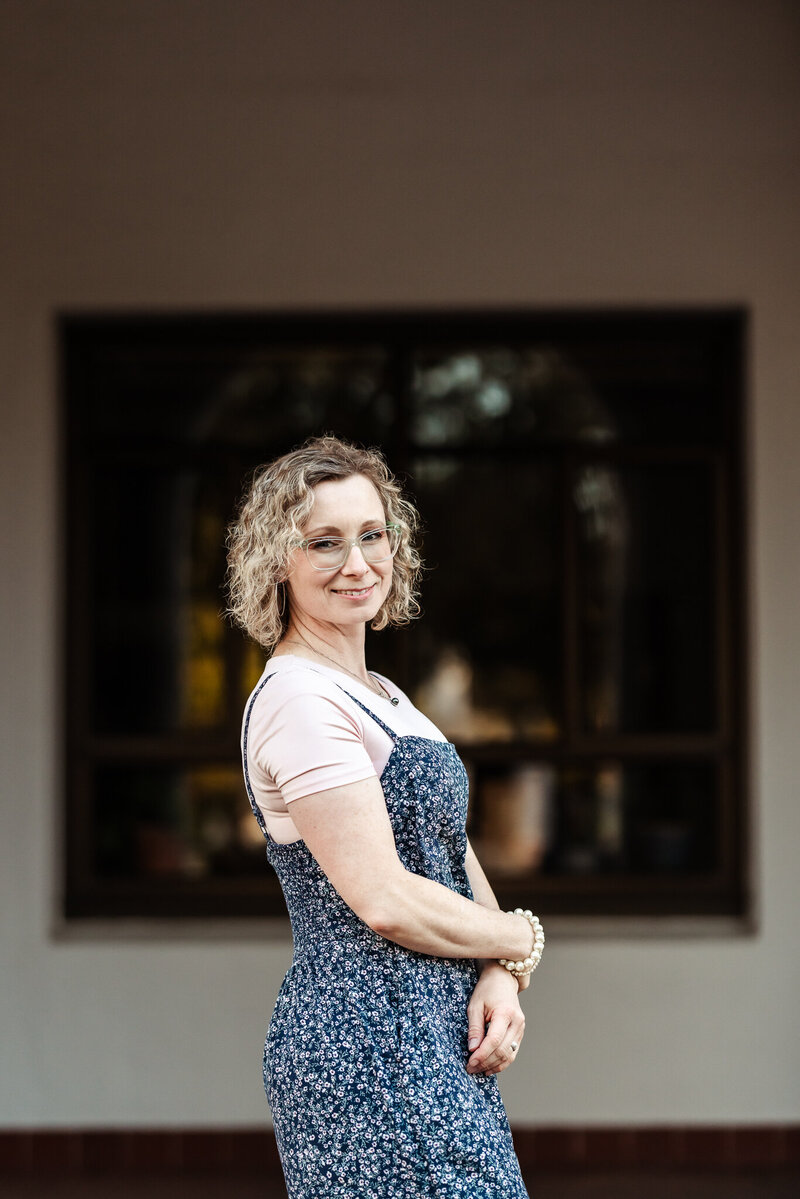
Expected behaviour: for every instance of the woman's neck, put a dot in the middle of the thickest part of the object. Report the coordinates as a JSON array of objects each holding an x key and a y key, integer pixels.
[{"x": 330, "y": 646}]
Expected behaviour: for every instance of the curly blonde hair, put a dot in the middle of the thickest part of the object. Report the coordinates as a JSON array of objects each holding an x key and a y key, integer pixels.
[{"x": 270, "y": 523}]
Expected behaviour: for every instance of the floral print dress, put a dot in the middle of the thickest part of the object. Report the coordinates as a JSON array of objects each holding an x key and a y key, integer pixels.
[{"x": 364, "y": 1060}]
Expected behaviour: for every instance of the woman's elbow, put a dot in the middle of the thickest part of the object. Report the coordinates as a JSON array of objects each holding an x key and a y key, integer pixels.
[
  {"x": 384, "y": 922},
  {"x": 384, "y": 914}
]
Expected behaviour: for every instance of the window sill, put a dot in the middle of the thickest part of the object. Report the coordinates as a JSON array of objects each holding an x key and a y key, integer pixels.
[{"x": 276, "y": 929}]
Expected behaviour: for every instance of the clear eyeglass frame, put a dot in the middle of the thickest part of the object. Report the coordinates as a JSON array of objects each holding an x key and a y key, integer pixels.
[{"x": 346, "y": 544}]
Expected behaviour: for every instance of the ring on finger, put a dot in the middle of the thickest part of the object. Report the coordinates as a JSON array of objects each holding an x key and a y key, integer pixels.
[{"x": 514, "y": 1046}]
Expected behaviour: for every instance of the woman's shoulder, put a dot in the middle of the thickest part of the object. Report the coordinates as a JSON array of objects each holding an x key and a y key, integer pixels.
[
  {"x": 303, "y": 732},
  {"x": 290, "y": 683}
]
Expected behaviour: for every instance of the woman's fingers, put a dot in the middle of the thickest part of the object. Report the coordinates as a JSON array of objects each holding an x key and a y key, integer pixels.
[
  {"x": 476, "y": 1030},
  {"x": 495, "y": 1053}
]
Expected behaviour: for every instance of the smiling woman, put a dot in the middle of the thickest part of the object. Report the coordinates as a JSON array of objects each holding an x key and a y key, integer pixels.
[
  {"x": 273, "y": 526},
  {"x": 402, "y": 1001},
  {"x": 332, "y": 564}
]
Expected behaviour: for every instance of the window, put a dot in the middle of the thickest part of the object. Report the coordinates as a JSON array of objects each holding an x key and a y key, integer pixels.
[{"x": 580, "y": 478}]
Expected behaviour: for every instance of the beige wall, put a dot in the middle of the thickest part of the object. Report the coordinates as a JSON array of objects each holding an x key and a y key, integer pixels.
[{"x": 231, "y": 153}]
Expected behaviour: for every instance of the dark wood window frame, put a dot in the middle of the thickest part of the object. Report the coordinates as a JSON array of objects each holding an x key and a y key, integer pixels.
[{"x": 87, "y": 340}]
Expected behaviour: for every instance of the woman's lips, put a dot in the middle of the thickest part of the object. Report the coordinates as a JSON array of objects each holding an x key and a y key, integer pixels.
[{"x": 355, "y": 592}]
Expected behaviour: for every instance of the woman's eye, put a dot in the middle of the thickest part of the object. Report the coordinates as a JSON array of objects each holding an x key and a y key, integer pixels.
[
  {"x": 325, "y": 544},
  {"x": 373, "y": 535}
]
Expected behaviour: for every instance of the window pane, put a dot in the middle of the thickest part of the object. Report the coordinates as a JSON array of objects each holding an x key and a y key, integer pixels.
[
  {"x": 646, "y": 596},
  {"x": 580, "y": 387},
  {"x": 166, "y": 822},
  {"x": 609, "y": 818},
  {"x": 251, "y": 399},
  {"x": 486, "y": 657},
  {"x": 501, "y": 395},
  {"x": 157, "y": 569}
]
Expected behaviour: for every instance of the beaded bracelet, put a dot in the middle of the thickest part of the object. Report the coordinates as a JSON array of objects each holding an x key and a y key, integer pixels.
[{"x": 523, "y": 968}]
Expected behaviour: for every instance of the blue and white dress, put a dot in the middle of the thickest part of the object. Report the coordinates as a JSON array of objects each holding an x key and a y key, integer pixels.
[{"x": 364, "y": 1061}]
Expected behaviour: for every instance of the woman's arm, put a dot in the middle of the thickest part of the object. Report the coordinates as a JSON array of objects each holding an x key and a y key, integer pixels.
[
  {"x": 485, "y": 896},
  {"x": 496, "y": 1020},
  {"x": 348, "y": 831}
]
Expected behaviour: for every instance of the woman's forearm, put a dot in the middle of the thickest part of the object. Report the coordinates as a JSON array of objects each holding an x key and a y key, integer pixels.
[
  {"x": 349, "y": 833},
  {"x": 482, "y": 891},
  {"x": 425, "y": 916},
  {"x": 485, "y": 896}
]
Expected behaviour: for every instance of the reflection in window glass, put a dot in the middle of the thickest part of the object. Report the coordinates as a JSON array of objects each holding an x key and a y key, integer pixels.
[
  {"x": 485, "y": 658},
  {"x": 646, "y": 547},
  {"x": 595, "y": 388},
  {"x": 246, "y": 398},
  {"x": 603, "y": 818},
  {"x": 493, "y": 395},
  {"x": 163, "y": 822},
  {"x": 159, "y": 640},
  {"x": 514, "y": 826}
]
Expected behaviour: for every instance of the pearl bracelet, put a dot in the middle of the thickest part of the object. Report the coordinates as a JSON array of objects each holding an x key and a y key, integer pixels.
[{"x": 523, "y": 968}]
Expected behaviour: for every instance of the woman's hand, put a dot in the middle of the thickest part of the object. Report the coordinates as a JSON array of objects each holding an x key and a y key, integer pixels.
[{"x": 494, "y": 1002}]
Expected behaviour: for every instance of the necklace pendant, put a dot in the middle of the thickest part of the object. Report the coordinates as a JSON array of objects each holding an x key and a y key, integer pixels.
[{"x": 394, "y": 701}]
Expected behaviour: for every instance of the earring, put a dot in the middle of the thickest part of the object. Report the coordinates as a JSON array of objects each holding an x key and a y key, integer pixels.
[{"x": 281, "y": 589}]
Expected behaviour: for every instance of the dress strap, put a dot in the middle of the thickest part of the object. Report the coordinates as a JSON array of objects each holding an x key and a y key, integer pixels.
[
  {"x": 389, "y": 732},
  {"x": 249, "y": 712},
  {"x": 246, "y": 770}
]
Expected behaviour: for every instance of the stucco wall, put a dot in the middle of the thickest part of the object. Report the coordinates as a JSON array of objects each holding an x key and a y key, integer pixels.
[{"x": 215, "y": 154}]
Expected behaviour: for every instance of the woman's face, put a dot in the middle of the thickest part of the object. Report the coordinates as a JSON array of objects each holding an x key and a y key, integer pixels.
[{"x": 353, "y": 593}]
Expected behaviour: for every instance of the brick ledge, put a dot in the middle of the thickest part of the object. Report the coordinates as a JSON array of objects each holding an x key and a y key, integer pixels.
[{"x": 78, "y": 1152}]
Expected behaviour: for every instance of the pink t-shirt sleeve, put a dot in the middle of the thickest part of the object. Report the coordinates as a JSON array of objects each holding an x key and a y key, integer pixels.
[{"x": 306, "y": 735}]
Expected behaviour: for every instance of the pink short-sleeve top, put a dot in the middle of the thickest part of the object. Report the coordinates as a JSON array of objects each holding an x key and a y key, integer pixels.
[{"x": 305, "y": 734}]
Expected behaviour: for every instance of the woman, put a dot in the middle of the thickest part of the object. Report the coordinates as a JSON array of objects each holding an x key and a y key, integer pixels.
[{"x": 401, "y": 1003}]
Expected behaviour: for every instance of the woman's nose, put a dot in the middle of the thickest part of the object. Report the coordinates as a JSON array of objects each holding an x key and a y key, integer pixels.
[{"x": 355, "y": 563}]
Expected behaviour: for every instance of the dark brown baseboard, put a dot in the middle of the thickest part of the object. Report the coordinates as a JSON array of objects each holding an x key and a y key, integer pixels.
[{"x": 79, "y": 1152}]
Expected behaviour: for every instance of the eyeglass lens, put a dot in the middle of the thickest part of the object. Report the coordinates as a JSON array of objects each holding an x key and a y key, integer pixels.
[{"x": 376, "y": 545}]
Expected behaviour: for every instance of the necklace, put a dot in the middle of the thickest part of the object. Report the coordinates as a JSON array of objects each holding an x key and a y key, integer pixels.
[{"x": 380, "y": 690}]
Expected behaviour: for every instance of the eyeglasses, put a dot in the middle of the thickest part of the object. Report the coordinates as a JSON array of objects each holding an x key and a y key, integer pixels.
[{"x": 329, "y": 553}]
